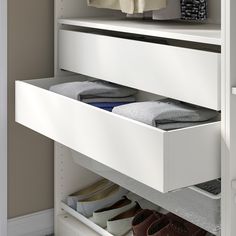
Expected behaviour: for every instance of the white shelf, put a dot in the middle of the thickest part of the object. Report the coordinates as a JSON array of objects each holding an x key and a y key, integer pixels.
[
  {"x": 186, "y": 203},
  {"x": 201, "y": 33},
  {"x": 92, "y": 225},
  {"x": 86, "y": 221}
]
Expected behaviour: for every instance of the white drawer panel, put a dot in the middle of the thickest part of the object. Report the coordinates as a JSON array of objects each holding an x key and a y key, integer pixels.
[
  {"x": 162, "y": 160},
  {"x": 184, "y": 74}
]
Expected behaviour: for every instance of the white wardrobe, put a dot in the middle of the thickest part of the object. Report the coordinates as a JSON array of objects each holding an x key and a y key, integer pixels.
[{"x": 189, "y": 62}]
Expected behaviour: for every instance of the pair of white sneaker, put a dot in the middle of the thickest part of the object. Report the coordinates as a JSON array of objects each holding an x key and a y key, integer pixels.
[
  {"x": 100, "y": 199},
  {"x": 118, "y": 217},
  {"x": 87, "y": 192}
]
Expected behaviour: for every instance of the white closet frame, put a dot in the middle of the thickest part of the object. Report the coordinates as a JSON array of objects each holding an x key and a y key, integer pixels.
[
  {"x": 3, "y": 117},
  {"x": 228, "y": 217},
  {"x": 228, "y": 157},
  {"x": 62, "y": 166},
  {"x": 228, "y": 108}
]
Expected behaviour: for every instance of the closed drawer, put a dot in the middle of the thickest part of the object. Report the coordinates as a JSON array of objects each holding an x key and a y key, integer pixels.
[
  {"x": 162, "y": 160},
  {"x": 184, "y": 74}
]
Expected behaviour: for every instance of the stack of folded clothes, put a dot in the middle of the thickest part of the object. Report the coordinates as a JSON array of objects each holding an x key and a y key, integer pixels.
[
  {"x": 102, "y": 94},
  {"x": 167, "y": 114}
]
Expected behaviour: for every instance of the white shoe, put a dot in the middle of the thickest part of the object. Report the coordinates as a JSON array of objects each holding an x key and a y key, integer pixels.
[
  {"x": 101, "y": 216},
  {"x": 100, "y": 185},
  {"x": 122, "y": 224},
  {"x": 100, "y": 199}
]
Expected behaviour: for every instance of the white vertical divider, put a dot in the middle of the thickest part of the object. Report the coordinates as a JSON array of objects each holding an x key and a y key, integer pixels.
[
  {"x": 68, "y": 177},
  {"x": 228, "y": 118}
]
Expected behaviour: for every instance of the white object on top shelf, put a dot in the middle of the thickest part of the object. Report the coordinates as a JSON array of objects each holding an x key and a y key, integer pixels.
[
  {"x": 234, "y": 90},
  {"x": 201, "y": 33},
  {"x": 210, "y": 195}
]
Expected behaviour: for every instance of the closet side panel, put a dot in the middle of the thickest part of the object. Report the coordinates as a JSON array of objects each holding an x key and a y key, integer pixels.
[
  {"x": 228, "y": 118},
  {"x": 3, "y": 117}
]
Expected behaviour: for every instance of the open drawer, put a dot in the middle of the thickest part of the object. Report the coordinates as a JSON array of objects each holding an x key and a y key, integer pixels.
[
  {"x": 162, "y": 160},
  {"x": 184, "y": 74}
]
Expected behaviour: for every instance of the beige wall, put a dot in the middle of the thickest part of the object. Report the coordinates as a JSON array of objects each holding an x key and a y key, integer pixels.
[{"x": 30, "y": 55}]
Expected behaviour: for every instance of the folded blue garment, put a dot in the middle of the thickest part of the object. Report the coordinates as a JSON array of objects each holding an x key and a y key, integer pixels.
[
  {"x": 107, "y": 109},
  {"x": 107, "y": 104}
]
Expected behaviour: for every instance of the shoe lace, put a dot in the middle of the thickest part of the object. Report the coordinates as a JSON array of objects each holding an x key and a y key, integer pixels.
[{"x": 179, "y": 228}]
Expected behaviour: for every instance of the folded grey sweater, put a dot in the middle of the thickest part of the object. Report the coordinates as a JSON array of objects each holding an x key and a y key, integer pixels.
[
  {"x": 95, "y": 91},
  {"x": 166, "y": 114}
]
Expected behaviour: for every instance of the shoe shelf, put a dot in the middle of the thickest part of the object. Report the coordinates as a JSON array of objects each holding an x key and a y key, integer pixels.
[
  {"x": 187, "y": 203},
  {"x": 82, "y": 219},
  {"x": 200, "y": 33},
  {"x": 87, "y": 222}
]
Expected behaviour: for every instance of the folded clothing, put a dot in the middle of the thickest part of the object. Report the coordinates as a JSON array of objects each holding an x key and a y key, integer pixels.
[
  {"x": 95, "y": 91},
  {"x": 129, "y": 6},
  {"x": 166, "y": 114},
  {"x": 108, "y": 109}
]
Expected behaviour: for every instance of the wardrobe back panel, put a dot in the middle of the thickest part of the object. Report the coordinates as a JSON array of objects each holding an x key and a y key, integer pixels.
[
  {"x": 79, "y": 8},
  {"x": 214, "y": 8}
]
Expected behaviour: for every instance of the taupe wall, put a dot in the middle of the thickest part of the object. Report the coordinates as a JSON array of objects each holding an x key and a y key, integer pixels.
[{"x": 30, "y": 55}]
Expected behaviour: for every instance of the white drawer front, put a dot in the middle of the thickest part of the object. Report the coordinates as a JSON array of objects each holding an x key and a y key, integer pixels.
[
  {"x": 183, "y": 74},
  {"x": 162, "y": 160}
]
